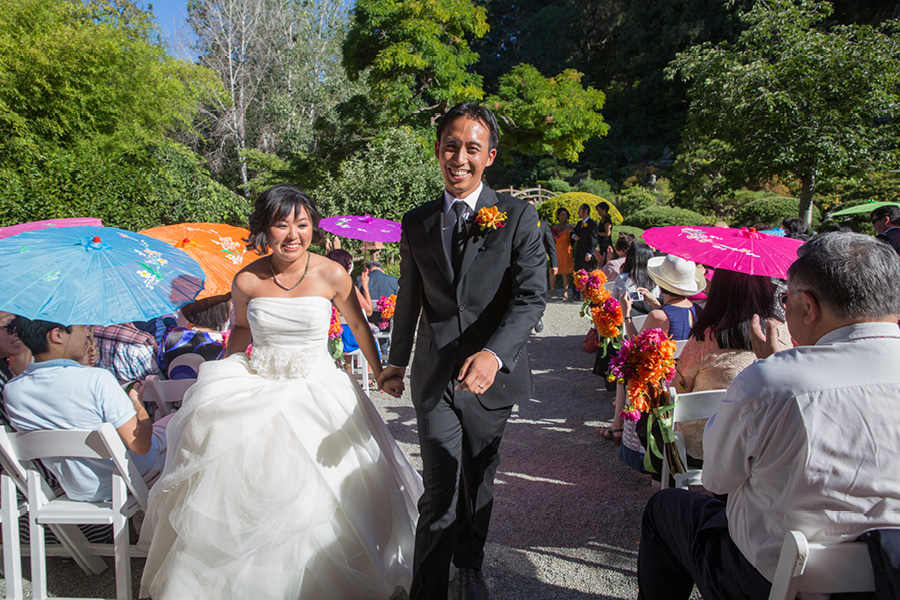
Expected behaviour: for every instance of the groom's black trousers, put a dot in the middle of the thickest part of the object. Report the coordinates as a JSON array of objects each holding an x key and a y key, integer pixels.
[{"x": 460, "y": 442}]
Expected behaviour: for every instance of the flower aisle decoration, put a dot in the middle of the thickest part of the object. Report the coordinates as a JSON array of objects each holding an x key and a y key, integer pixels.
[
  {"x": 385, "y": 306},
  {"x": 601, "y": 308},
  {"x": 645, "y": 364},
  {"x": 335, "y": 345},
  {"x": 490, "y": 218}
]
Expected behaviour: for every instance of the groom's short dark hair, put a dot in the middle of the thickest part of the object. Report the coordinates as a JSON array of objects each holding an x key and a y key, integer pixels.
[{"x": 472, "y": 111}]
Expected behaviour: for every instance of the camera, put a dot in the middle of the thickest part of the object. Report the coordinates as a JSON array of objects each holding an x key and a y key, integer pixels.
[{"x": 635, "y": 296}]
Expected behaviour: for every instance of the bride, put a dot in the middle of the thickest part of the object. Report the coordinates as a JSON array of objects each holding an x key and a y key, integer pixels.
[{"x": 282, "y": 481}]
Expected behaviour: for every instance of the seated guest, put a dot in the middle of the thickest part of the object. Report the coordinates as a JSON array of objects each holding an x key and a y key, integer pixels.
[
  {"x": 886, "y": 221},
  {"x": 201, "y": 327},
  {"x": 614, "y": 262},
  {"x": 14, "y": 356},
  {"x": 719, "y": 345},
  {"x": 126, "y": 351},
  {"x": 635, "y": 278},
  {"x": 805, "y": 439},
  {"x": 57, "y": 392}
]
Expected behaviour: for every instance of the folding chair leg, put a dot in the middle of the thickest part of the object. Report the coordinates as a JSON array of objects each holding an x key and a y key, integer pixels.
[
  {"x": 38, "y": 559},
  {"x": 12, "y": 552},
  {"x": 122, "y": 543}
]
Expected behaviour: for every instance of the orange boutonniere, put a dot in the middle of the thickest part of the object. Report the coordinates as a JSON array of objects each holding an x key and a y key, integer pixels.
[{"x": 490, "y": 218}]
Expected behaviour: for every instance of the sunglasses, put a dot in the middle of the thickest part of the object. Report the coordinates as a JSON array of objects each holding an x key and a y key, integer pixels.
[
  {"x": 783, "y": 298},
  {"x": 10, "y": 327}
]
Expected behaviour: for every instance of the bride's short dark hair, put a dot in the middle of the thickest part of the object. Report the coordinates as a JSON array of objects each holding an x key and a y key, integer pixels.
[{"x": 275, "y": 204}]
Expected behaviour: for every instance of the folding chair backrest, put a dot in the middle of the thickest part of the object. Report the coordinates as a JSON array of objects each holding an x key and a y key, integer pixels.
[
  {"x": 166, "y": 393},
  {"x": 690, "y": 406},
  {"x": 679, "y": 346},
  {"x": 609, "y": 285},
  {"x": 821, "y": 568},
  {"x": 104, "y": 443},
  {"x": 638, "y": 322},
  {"x": 13, "y": 464}
]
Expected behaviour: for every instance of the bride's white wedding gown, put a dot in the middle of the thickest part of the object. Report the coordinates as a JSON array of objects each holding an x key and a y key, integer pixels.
[{"x": 281, "y": 480}]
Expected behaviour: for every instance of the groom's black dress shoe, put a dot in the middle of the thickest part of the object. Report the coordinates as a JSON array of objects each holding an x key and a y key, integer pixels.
[{"x": 472, "y": 585}]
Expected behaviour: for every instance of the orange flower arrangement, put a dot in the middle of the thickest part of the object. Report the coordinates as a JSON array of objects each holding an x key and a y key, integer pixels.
[
  {"x": 490, "y": 218},
  {"x": 385, "y": 306},
  {"x": 335, "y": 344},
  {"x": 603, "y": 309},
  {"x": 645, "y": 364}
]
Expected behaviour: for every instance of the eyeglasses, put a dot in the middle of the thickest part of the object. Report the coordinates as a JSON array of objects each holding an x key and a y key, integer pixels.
[
  {"x": 783, "y": 298},
  {"x": 10, "y": 327}
]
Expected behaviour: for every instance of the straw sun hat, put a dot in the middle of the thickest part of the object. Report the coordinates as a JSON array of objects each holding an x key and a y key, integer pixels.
[{"x": 677, "y": 275}]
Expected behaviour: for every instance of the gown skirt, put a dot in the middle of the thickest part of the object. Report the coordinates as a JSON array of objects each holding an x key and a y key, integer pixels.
[{"x": 281, "y": 480}]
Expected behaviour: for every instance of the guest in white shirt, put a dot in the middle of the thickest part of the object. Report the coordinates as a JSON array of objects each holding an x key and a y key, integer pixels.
[{"x": 806, "y": 439}]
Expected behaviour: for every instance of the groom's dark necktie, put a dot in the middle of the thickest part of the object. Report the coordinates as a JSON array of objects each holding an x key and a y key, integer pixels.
[{"x": 458, "y": 240}]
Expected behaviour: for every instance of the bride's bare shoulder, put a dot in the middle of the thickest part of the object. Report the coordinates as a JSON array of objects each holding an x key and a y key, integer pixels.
[{"x": 248, "y": 278}]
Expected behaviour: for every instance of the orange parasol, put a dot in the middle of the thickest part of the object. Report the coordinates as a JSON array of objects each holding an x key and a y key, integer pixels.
[{"x": 220, "y": 250}]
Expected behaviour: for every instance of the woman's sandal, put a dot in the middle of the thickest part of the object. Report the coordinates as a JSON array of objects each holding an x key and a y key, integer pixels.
[{"x": 613, "y": 434}]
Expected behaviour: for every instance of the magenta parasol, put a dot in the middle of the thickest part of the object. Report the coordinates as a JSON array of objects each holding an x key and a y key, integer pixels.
[
  {"x": 12, "y": 230},
  {"x": 365, "y": 228},
  {"x": 741, "y": 250}
]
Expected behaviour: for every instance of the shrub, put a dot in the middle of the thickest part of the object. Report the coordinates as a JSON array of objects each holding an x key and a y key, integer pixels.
[
  {"x": 571, "y": 202},
  {"x": 556, "y": 185},
  {"x": 634, "y": 199},
  {"x": 660, "y": 216},
  {"x": 771, "y": 210},
  {"x": 636, "y": 231},
  {"x": 598, "y": 187}
]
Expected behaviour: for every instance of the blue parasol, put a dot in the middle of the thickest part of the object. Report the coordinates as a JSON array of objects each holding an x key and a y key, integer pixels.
[{"x": 94, "y": 276}]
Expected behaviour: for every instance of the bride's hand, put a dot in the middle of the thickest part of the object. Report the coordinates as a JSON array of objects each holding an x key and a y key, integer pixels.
[{"x": 393, "y": 386}]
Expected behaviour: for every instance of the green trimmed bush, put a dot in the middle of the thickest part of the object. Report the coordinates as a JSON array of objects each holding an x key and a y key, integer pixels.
[
  {"x": 634, "y": 199},
  {"x": 556, "y": 185},
  {"x": 771, "y": 210},
  {"x": 571, "y": 202},
  {"x": 660, "y": 216},
  {"x": 636, "y": 231}
]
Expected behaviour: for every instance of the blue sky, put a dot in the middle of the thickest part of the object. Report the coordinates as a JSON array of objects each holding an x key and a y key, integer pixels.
[{"x": 170, "y": 15}]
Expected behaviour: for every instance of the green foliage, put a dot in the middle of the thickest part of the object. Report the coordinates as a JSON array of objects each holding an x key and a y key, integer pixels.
[
  {"x": 770, "y": 210},
  {"x": 634, "y": 199},
  {"x": 414, "y": 54},
  {"x": 547, "y": 115},
  {"x": 571, "y": 202},
  {"x": 636, "y": 231},
  {"x": 791, "y": 97},
  {"x": 158, "y": 182},
  {"x": 556, "y": 185},
  {"x": 660, "y": 216},
  {"x": 87, "y": 96},
  {"x": 598, "y": 187},
  {"x": 396, "y": 173}
]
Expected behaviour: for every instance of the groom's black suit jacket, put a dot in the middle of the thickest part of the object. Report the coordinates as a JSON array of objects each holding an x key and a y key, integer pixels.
[{"x": 497, "y": 299}]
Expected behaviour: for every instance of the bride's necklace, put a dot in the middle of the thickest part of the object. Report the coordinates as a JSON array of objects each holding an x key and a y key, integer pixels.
[{"x": 302, "y": 277}]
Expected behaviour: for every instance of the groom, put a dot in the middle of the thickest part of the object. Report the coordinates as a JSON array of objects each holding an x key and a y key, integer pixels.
[{"x": 472, "y": 263}]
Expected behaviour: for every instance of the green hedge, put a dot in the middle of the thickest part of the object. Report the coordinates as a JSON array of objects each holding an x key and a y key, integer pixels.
[
  {"x": 660, "y": 216},
  {"x": 771, "y": 210},
  {"x": 571, "y": 201}
]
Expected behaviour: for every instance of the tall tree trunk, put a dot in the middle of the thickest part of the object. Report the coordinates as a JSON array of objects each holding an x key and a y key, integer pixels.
[{"x": 807, "y": 187}]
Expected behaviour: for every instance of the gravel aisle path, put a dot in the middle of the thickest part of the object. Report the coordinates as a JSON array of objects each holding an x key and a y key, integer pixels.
[{"x": 566, "y": 518}]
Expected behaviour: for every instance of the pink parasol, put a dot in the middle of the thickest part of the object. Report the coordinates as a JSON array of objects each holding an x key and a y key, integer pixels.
[
  {"x": 365, "y": 228},
  {"x": 741, "y": 250},
  {"x": 12, "y": 230}
]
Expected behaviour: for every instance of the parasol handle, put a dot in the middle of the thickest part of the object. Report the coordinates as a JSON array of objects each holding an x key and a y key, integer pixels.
[{"x": 752, "y": 233}]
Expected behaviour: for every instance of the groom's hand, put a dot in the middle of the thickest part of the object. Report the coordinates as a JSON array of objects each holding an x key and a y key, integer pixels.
[
  {"x": 478, "y": 372},
  {"x": 386, "y": 383}
]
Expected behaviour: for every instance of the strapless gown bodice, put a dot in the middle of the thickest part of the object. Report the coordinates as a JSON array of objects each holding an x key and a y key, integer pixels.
[
  {"x": 290, "y": 336},
  {"x": 281, "y": 480}
]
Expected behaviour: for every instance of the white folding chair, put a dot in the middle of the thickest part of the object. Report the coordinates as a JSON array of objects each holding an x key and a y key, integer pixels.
[
  {"x": 359, "y": 367},
  {"x": 166, "y": 393},
  {"x": 609, "y": 285},
  {"x": 689, "y": 407},
  {"x": 638, "y": 322},
  {"x": 813, "y": 568},
  {"x": 679, "y": 346},
  {"x": 72, "y": 541},
  {"x": 129, "y": 494}
]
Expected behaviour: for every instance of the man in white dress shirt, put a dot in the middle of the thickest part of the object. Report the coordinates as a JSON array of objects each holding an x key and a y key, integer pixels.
[{"x": 806, "y": 439}]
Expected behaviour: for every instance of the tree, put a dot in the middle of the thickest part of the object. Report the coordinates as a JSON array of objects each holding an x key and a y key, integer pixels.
[
  {"x": 88, "y": 102},
  {"x": 416, "y": 58},
  {"x": 541, "y": 115},
  {"x": 792, "y": 98},
  {"x": 414, "y": 54}
]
